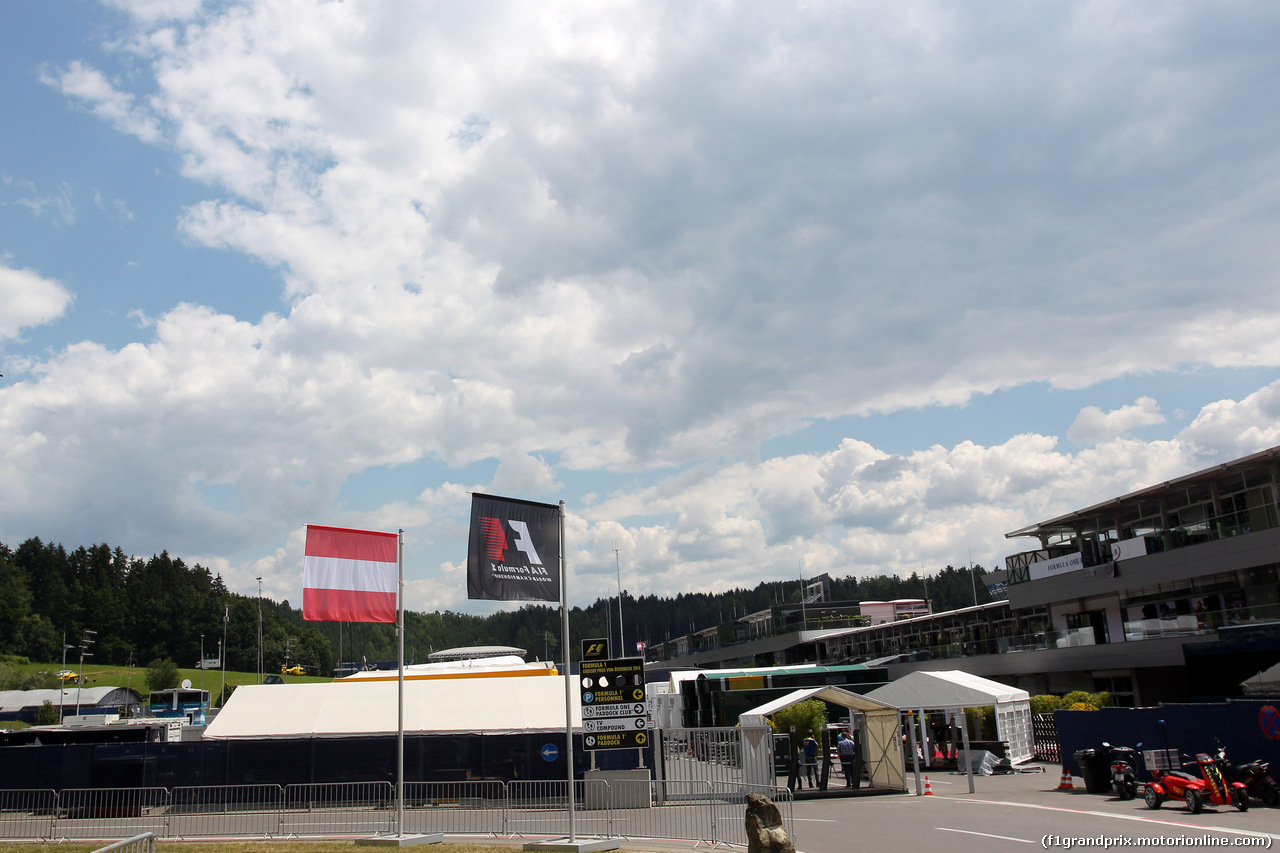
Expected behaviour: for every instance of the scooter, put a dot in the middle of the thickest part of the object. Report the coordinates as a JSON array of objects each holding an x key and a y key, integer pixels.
[
  {"x": 1254, "y": 776},
  {"x": 1196, "y": 791},
  {"x": 1123, "y": 780}
]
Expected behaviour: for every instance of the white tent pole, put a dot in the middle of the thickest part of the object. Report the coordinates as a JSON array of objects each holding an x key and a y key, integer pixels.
[
  {"x": 915, "y": 753},
  {"x": 964, "y": 735},
  {"x": 926, "y": 747}
]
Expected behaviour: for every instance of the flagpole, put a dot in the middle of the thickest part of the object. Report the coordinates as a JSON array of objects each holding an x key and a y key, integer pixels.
[
  {"x": 568, "y": 678},
  {"x": 400, "y": 698}
]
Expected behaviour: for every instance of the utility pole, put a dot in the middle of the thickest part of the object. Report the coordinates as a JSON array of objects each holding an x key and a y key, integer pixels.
[
  {"x": 259, "y": 630},
  {"x": 128, "y": 682},
  {"x": 86, "y": 640},
  {"x": 222, "y": 654},
  {"x": 62, "y": 684},
  {"x": 202, "y": 661},
  {"x": 972, "y": 581},
  {"x": 804, "y": 617},
  {"x": 622, "y": 637}
]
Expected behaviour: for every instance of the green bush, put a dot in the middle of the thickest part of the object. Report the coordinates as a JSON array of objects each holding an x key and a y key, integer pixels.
[
  {"x": 162, "y": 674},
  {"x": 47, "y": 714},
  {"x": 1045, "y": 703},
  {"x": 811, "y": 714}
]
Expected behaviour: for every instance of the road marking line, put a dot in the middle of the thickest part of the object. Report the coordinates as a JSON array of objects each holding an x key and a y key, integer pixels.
[
  {"x": 984, "y": 834},
  {"x": 1115, "y": 816}
]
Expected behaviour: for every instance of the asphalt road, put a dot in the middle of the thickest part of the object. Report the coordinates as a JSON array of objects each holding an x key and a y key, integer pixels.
[{"x": 1016, "y": 813}]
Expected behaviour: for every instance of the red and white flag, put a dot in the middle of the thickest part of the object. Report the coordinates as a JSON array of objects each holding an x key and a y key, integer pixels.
[{"x": 349, "y": 575}]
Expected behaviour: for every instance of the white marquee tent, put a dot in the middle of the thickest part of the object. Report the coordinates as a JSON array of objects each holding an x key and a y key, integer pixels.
[
  {"x": 490, "y": 705},
  {"x": 881, "y": 736},
  {"x": 953, "y": 690},
  {"x": 1265, "y": 683}
]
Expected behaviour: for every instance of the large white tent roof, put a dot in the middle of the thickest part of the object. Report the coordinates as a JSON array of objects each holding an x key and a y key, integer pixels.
[
  {"x": 834, "y": 695},
  {"x": 87, "y": 697},
  {"x": 946, "y": 689},
  {"x": 491, "y": 705},
  {"x": 1265, "y": 683}
]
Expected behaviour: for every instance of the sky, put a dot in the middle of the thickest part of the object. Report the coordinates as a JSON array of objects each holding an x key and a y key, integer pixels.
[{"x": 759, "y": 290}]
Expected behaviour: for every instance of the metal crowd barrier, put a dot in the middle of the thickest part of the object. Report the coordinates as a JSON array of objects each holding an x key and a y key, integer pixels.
[
  {"x": 456, "y": 808},
  {"x": 343, "y": 808},
  {"x": 111, "y": 812},
  {"x": 541, "y": 808},
  {"x": 218, "y": 810},
  {"x": 729, "y": 811},
  {"x": 699, "y": 811},
  {"x": 144, "y": 843},
  {"x": 27, "y": 813}
]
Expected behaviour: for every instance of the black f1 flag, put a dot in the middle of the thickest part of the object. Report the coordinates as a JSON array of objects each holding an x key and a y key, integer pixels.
[{"x": 513, "y": 553}]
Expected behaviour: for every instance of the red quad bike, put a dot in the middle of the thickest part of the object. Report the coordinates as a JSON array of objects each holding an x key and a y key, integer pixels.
[{"x": 1208, "y": 787}]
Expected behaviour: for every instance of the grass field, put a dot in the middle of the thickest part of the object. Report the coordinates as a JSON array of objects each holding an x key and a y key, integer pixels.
[
  {"x": 136, "y": 676},
  {"x": 257, "y": 846}
]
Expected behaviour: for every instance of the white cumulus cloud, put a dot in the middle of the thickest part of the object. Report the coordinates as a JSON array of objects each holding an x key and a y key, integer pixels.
[
  {"x": 1093, "y": 425},
  {"x": 29, "y": 300}
]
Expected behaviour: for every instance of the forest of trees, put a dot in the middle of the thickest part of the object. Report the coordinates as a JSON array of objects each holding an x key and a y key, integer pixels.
[{"x": 144, "y": 609}]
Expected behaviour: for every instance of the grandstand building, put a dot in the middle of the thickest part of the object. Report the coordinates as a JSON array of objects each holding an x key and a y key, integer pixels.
[{"x": 1165, "y": 594}]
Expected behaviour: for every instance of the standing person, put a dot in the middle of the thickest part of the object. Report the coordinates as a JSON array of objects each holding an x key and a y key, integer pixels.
[
  {"x": 809, "y": 747},
  {"x": 848, "y": 751}
]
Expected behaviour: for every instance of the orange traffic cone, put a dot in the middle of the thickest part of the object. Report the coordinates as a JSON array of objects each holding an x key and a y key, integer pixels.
[
  {"x": 1066, "y": 784},
  {"x": 928, "y": 791}
]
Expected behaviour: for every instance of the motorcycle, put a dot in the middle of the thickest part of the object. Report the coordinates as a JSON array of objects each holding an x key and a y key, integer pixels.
[
  {"x": 1123, "y": 779},
  {"x": 1254, "y": 776},
  {"x": 1196, "y": 791}
]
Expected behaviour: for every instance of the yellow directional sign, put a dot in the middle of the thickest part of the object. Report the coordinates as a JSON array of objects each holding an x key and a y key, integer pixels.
[
  {"x": 614, "y": 711},
  {"x": 616, "y": 740}
]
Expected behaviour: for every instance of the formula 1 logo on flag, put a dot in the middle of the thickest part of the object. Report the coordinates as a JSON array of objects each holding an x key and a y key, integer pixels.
[
  {"x": 513, "y": 553},
  {"x": 350, "y": 575}
]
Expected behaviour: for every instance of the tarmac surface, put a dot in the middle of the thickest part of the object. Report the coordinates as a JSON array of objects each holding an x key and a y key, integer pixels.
[{"x": 1015, "y": 812}]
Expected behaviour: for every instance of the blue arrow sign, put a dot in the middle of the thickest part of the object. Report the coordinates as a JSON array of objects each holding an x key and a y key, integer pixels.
[{"x": 550, "y": 752}]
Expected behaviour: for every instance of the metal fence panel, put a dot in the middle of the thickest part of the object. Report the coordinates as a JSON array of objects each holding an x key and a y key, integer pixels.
[
  {"x": 1044, "y": 728},
  {"x": 226, "y": 810},
  {"x": 110, "y": 812},
  {"x": 729, "y": 825},
  {"x": 737, "y": 755},
  {"x": 541, "y": 808},
  {"x": 456, "y": 808},
  {"x": 341, "y": 808},
  {"x": 699, "y": 811},
  {"x": 27, "y": 813},
  {"x": 672, "y": 810}
]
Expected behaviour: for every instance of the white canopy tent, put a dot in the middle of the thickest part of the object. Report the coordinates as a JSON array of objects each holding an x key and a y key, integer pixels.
[
  {"x": 1265, "y": 683},
  {"x": 953, "y": 690},
  {"x": 491, "y": 705},
  {"x": 881, "y": 736}
]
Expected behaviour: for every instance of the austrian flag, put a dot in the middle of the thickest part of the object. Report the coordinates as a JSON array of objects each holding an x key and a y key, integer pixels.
[{"x": 350, "y": 575}]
